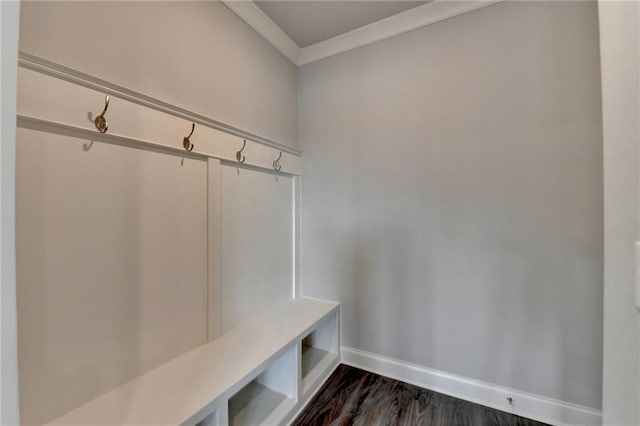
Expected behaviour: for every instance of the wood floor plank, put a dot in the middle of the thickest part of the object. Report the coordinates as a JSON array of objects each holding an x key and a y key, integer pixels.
[{"x": 354, "y": 397}]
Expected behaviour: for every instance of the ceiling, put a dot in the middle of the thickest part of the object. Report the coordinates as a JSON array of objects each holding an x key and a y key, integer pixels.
[{"x": 309, "y": 22}]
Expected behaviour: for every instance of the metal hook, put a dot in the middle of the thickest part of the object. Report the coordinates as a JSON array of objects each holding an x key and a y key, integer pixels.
[
  {"x": 241, "y": 158},
  {"x": 186, "y": 143},
  {"x": 100, "y": 122},
  {"x": 276, "y": 164}
]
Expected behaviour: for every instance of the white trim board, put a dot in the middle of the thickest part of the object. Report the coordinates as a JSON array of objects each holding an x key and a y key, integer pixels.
[
  {"x": 44, "y": 66},
  {"x": 528, "y": 405},
  {"x": 417, "y": 17}
]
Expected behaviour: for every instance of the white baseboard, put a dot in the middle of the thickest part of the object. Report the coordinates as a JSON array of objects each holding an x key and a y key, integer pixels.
[{"x": 528, "y": 405}]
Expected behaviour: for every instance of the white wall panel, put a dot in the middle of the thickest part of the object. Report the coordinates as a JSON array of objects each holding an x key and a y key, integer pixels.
[
  {"x": 112, "y": 266},
  {"x": 257, "y": 242}
]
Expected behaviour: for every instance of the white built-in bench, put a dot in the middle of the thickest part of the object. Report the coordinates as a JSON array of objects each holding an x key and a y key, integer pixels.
[{"x": 261, "y": 372}]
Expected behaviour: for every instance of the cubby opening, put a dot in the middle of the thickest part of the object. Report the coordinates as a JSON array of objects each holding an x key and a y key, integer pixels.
[
  {"x": 212, "y": 419},
  {"x": 269, "y": 397},
  {"x": 319, "y": 351}
]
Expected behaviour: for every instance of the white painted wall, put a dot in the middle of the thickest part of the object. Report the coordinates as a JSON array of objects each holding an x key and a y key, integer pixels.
[
  {"x": 256, "y": 242},
  {"x": 452, "y": 196},
  {"x": 197, "y": 55},
  {"x": 9, "y": 20},
  {"x": 620, "y": 50},
  {"x": 111, "y": 265}
]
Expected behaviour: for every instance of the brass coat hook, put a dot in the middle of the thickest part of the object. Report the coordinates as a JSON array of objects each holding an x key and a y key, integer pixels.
[
  {"x": 276, "y": 164},
  {"x": 241, "y": 158},
  {"x": 186, "y": 143},
  {"x": 100, "y": 122}
]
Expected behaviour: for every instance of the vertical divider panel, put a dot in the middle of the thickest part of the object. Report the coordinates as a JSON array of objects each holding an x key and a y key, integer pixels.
[
  {"x": 223, "y": 414},
  {"x": 214, "y": 297},
  {"x": 299, "y": 371},
  {"x": 297, "y": 199}
]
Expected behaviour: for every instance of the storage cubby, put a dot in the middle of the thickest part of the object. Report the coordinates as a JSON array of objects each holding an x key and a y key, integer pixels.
[
  {"x": 319, "y": 352},
  {"x": 270, "y": 396},
  {"x": 212, "y": 419}
]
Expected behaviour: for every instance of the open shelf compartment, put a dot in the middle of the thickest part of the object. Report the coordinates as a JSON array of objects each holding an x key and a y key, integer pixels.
[
  {"x": 268, "y": 398},
  {"x": 213, "y": 419},
  {"x": 319, "y": 352}
]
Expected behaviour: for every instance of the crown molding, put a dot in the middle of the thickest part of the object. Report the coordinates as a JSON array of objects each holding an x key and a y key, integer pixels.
[
  {"x": 250, "y": 13},
  {"x": 417, "y": 17}
]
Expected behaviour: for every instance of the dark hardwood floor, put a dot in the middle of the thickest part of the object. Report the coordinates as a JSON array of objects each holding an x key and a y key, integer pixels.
[{"x": 356, "y": 397}]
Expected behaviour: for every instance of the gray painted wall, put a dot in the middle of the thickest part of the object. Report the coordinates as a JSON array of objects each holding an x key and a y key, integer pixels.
[
  {"x": 452, "y": 196},
  {"x": 197, "y": 55}
]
